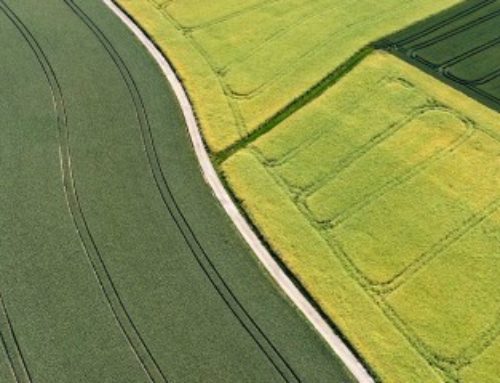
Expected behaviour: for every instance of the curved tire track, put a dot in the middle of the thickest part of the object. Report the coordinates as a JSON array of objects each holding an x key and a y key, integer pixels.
[
  {"x": 103, "y": 276},
  {"x": 171, "y": 205},
  {"x": 212, "y": 179},
  {"x": 8, "y": 340}
]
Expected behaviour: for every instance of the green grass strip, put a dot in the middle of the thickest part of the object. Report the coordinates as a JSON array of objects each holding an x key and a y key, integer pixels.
[{"x": 305, "y": 98}]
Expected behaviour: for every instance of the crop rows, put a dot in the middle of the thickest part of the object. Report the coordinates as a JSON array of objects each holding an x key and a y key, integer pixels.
[
  {"x": 102, "y": 274},
  {"x": 174, "y": 211},
  {"x": 81, "y": 224},
  {"x": 428, "y": 45},
  {"x": 251, "y": 71},
  {"x": 378, "y": 291},
  {"x": 314, "y": 165}
]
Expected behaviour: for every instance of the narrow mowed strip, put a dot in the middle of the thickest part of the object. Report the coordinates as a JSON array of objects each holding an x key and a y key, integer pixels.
[{"x": 379, "y": 196}]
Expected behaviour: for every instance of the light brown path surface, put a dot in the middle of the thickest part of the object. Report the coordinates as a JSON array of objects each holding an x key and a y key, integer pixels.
[{"x": 211, "y": 177}]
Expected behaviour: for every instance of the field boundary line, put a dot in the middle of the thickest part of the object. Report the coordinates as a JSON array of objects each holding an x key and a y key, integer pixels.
[
  {"x": 364, "y": 282},
  {"x": 211, "y": 177},
  {"x": 8, "y": 340},
  {"x": 398, "y": 180},
  {"x": 241, "y": 127},
  {"x": 262, "y": 341},
  {"x": 298, "y": 103},
  {"x": 407, "y": 49},
  {"x": 453, "y": 32}
]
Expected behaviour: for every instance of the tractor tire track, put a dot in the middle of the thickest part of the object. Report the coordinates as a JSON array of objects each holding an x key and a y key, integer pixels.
[
  {"x": 461, "y": 57},
  {"x": 115, "y": 303},
  {"x": 439, "y": 25},
  {"x": 8, "y": 340},
  {"x": 465, "y": 19},
  {"x": 175, "y": 213},
  {"x": 397, "y": 181},
  {"x": 362, "y": 150},
  {"x": 454, "y": 32},
  {"x": 437, "y": 248}
]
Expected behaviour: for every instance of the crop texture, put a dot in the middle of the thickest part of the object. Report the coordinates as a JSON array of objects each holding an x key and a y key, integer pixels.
[
  {"x": 117, "y": 264},
  {"x": 460, "y": 46},
  {"x": 381, "y": 196},
  {"x": 243, "y": 62}
]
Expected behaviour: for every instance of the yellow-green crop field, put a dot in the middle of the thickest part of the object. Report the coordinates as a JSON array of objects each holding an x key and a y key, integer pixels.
[
  {"x": 377, "y": 187},
  {"x": 243, "y": 61},
  {"x": 382, "y": 197}
]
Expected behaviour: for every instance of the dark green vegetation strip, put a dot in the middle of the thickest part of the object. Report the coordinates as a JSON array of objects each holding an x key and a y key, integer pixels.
[
  {"x": 128, "y": 269},
  {"x": 460, "y": 46},
  {"x": 311, "y": 94}
]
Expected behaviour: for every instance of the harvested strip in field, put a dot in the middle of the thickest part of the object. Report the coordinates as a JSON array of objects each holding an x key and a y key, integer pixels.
[
  {"x": 380, "y": 196},
  {"x": 460, "y": 46},
  {"x": 236, "y": 59}
]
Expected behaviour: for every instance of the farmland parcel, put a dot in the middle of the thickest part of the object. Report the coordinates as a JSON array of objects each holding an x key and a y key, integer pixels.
[
  {"x": 116, "y": 264},
  {"x": 382, "y": 197},
  {"x": 460, "y": 46},
  {"x": 243, "y": 61}
]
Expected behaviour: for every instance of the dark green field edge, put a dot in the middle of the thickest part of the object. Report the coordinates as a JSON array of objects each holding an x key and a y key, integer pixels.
[
  {"x": 202, "y": 258},
  {"x": 399, "y": 44},
  {"x": 101, "y": 272},
  {"x": 8, "y": 340},
  {"x": 298, "y": 103}
]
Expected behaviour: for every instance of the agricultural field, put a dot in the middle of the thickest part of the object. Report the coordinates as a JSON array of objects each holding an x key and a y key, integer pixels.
[
  {"x": 461, "y": 46},
  {"x": 117, "y": 264},
  {"x": 375, "y": 184},
  {"x": 381, "y": 196},
  {"x": 242, "y": 62}
]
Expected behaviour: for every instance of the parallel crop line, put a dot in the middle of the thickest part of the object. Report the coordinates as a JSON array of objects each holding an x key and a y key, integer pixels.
[
  {"x": 295, "y": 105},
  {"x": 235, "y": 109},
  {"x": 377, "y": 139},
  {"x": 311, "y": 140},
  {"x": 461, "y": 57},
  {"x": 410, "y": 53},
  {"x": 437, "y": 248},
  {"x": 298, "y": 61},
  {"x": 171, "y": 205},
  {"x": 448, "y": 366},
  {"x": 445, "y": 366},
  {"x": 442, "y": 23},
  {"x": 473, "y": 83},
  {"x": 453, "y": 32},
  {"x": 238, "y": 13},
  {"x": 102, "y": 274},
  {"x": 278, "y": 33},
  {"x": 8, "y": 340},
  {"x": 479, "y": 345},
  {"x": 400, "y": 179}
]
